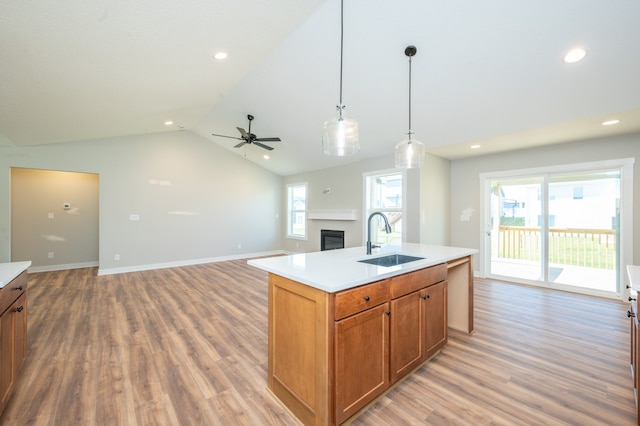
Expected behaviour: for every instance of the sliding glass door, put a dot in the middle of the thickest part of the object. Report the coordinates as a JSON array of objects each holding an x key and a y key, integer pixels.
[
  {"x": 515, "y": 232},
  {"x": 583, "y": 230},
  {"x": 559, "y": 229}
]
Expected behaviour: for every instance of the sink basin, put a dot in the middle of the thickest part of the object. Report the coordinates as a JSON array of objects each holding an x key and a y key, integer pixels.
[{"x": 391, "y": 260}]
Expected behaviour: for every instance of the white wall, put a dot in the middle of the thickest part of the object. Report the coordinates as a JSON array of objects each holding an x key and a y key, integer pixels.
[
  {"x": 465, "y": 192},
  {"x": 427, "y": 201},
  {"x": 196, "y": 200}
]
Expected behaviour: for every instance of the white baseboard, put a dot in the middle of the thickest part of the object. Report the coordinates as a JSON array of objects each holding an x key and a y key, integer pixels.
[
  {"x": 136, "y": 268},
  {"x": 49, "y": 268}
]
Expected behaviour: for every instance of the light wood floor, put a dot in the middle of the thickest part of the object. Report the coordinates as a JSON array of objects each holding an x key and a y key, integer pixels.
[{"x": 188, "y": 346}]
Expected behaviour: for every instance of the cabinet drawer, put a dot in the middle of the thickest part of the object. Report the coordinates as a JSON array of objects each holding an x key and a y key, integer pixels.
[
  {"x": 358, "y": 299},
  {"x": 12, "y": 291},
  {"x": 412, "y": 281}
]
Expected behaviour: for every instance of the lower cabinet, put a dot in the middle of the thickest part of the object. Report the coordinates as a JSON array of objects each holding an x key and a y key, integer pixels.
[
  {"x": 418, "y": 319},
  {"x": 331, "y": 354},
  {"x": 361, "y": 359},
  {"x": 635, "y": 350},
  {"x": 13, "y": 335}
]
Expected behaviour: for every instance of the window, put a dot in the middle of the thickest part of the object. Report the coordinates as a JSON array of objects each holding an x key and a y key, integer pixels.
[
  {"x": 384, "y": 193},
  {"x": 297, "y": 210}
]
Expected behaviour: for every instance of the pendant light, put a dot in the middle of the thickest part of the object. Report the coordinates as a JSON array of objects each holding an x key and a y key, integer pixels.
[
  {"x": 340, "y": 135},
  {"x": 409, "y": 152}
]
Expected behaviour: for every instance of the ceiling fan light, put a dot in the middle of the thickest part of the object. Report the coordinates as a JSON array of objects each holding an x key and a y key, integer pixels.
[
  {"x": 340, "y": 136},
  {"x": 409, "y": 154}
]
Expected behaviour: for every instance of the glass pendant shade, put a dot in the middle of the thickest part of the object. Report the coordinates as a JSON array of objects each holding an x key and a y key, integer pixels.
[
  {"x": 409, "y": 154},
  {"x": 340, "y": 136}
]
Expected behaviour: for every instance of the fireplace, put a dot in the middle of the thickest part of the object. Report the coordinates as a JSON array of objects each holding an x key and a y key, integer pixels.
[{"x": 331, "y": 239}]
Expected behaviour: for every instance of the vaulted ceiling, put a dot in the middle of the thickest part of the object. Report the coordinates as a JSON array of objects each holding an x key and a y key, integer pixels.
[{"x": 486, "y": 72}]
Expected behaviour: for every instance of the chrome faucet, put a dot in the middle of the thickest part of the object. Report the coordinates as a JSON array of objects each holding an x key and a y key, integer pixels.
[{"x": 387, "y": 229}]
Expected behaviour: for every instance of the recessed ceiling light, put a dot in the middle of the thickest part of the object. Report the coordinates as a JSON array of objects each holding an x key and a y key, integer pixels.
[
  {"x": 168, "y": 123},
  {"x": 610, "y": 122},
  {"x": 266, "y": 157},
  {"x": 474, "y": 146},
  {"x": 574, "y": 55},
  {"x": 220, "y": 55}
]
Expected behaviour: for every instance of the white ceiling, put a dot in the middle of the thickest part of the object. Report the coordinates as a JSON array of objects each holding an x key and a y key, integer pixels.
[{"x": 487, "y": 72}]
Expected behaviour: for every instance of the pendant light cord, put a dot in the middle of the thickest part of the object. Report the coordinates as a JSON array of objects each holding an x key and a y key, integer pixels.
[
  {"x": 410, "y": 132},
  {"x": 341, "y": 54}
]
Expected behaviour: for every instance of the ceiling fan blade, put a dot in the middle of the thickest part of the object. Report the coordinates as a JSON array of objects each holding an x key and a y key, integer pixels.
[
  {"x": 263, "y": 146},
  {"x": 240, "y": 144},
  {"x": 224, "y": 136},
  {"x": 268, "y": 139},
  {"x": 242, "y": 132}
]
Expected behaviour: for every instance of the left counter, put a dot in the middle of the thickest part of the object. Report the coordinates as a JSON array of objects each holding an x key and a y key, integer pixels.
[
  {"x": 8, "y": 271},
  {"x": 13, "y": 325}
]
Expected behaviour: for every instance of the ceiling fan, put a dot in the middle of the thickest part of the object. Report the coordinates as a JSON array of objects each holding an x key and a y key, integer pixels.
[{"x": 250, "y": 138}]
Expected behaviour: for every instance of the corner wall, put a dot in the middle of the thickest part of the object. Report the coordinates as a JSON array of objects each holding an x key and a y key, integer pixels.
[{"x": 195, "y": 200}]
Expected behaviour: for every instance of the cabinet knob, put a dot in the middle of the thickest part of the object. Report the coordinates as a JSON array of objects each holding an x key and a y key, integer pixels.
[
  {"x": 19, "y": 308},
  {"x": 425, "y": 297},
  {"x": 388, "y": 312},
  {"x": 19, "y": 288},
  {"x": 366, "y": 298},
  {"x": 630, "y": 314},
  {"x": 631, "y": 299}
]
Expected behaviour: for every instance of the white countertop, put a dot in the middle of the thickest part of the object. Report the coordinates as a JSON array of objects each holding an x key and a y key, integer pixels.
[
  {"x": 335, "y": 270},
  {"x": 8, "y": 271},
  {"x": 634, "y": 277}
]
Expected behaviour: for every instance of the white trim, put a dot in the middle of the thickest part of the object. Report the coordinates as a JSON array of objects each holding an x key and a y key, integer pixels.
[
  {"x": 332, "y": 215},
  {"x": 625, "y": 165},
  {"x": 136, "y": 268},
  {"x": 365, "y": 210},
  {"x": 290, "y": 209},
  {"x": 62, "y": 267}
]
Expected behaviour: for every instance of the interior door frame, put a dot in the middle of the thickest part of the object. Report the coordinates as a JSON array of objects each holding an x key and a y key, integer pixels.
[{"x": 625, "y": 165}]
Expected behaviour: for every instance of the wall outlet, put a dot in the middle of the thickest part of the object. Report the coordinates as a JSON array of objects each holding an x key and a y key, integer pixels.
[
  {"x": 50, "y": 255},
  {"x": 134, "y": 217},
  {"x": 116, "y": 256},
  {"x": 239, "y": 246},
  {"x": 50, "y": 215}
]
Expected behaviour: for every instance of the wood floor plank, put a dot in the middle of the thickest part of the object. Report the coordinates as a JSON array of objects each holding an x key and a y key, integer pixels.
[{"x": 186, "y": 346}]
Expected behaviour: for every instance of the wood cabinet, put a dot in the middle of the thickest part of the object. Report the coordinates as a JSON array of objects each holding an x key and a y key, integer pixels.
[
  {"x": 13, "y": 334},
  {"x": 361, "y": 360},
  {"x": 331, "y": 354},
  {"x": 418, "y": 318}
]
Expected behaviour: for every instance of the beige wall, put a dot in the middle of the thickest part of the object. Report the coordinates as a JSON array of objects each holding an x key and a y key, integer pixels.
[{"x": 41, "y": 225}]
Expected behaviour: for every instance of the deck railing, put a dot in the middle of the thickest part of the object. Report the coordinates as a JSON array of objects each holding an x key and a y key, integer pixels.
[{"x": 594, "y": 248}]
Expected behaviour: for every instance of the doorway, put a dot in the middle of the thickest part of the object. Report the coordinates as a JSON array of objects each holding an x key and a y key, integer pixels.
[
  {"x": 560, "y": 227},
  {"x": 54, "y": 219}
]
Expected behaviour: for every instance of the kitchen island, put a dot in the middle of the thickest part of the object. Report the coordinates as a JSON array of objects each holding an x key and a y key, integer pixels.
[
  {"x": 13, "y": 325},
  {"x": 342, "y": 332}
]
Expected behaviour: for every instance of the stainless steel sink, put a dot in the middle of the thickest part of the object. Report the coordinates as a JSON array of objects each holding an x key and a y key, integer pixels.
[{"x": 391, "y": 260}]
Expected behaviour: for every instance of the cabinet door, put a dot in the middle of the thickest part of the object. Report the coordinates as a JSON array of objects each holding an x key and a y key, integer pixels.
[
  {"x": 435, "y": 318},
  {"x": 13, "y": 346},
  {"x": 407, "y": 329},
  {"x": 19, "y": 310},
  {"x": 361, "y": 359},
  {"x": 6, "y": 356}
]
